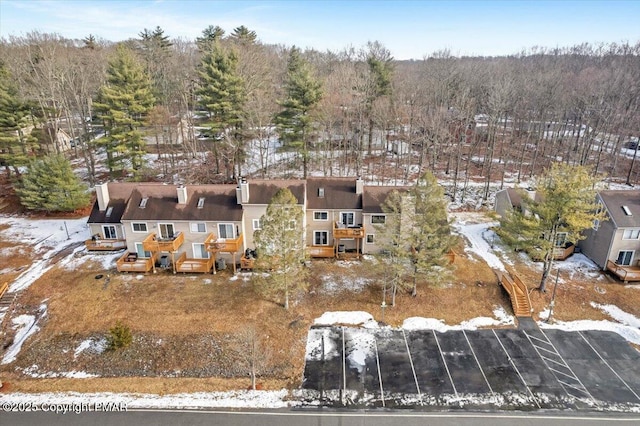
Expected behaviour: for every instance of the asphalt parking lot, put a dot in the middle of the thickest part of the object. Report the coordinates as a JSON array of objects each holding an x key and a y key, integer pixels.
[{"x": 524, "y": 369}]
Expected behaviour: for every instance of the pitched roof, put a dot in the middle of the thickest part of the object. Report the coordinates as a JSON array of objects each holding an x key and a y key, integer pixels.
[
  {"x": 614, "y": 200},
  {"x": 374, "y": 197},
  {"x": 119, "y": 193},
  {"x": 339, "y": 193},
  {"x": 162, "y": 204},
  {"x": 262, "y": 191}
]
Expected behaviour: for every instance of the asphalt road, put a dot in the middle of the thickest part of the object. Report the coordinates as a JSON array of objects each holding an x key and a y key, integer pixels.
[{"x": 292, "y": 418}]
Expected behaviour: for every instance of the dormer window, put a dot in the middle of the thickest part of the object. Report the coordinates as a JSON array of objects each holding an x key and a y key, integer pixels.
[
  {"x": 109, "y": 211},
  {"x": 143, "y": 202},
  {"x": 626, "y": 211},
  {"x": 321, "y": 192},
  {"x": 201, "y": 202}
]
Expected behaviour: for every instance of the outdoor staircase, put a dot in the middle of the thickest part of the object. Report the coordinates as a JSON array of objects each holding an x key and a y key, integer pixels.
[{"x": 517, "y": 292}]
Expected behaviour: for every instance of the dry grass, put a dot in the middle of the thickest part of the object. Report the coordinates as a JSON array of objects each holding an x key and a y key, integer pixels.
[{"x": 14, "y": 258}]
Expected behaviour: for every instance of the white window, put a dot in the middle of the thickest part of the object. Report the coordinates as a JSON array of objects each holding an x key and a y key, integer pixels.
[
  {"x": 198, "y": 227},
  {"x": 201, "y": 202},
  {"x": 141, "y": 253},
  {"x": 109, "y": 211},
  {"x": 378, "y": 219},
  {"x": 166, "y": 230},
  {"x": 109, "y": 232},
  {"x": 625, "y": 257},
  {"x": 348, "y": 218},
  {"x": 321, "y": 216},
  {"x": 200, "y": 251},
  {"x": 370, "y": 239},
  {"x": 139, "y": 227},
  {"x": 631, "y": 234},
  {"x": 321, "y": 238},
  {"x": 596, "y": 225},
  {"x": 561, "y": 239},
  {"x": 225, "y": 230},
  {"x": 143, "y": 203},
  {"x": 256, "y": 224}
]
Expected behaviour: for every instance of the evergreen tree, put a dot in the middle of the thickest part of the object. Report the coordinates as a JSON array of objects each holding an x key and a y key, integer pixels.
[
  {"x": 303, "y": 92},
  {"x": 122, "y": 104},
  {"x": 222, "y": 95},
  {"x": 155, "y": 49},
  {"x": 280, "y": 245},
  {"x": 89, "y": 42},
  {"x": 210, "y": 35},
  {"x": 50, "y": 185},
  {"x": 564, "y": 206},
  {"x": 243, "y": 35},
  {"x": 16, "y": 146},
  {"x": 416, "y": 236}
]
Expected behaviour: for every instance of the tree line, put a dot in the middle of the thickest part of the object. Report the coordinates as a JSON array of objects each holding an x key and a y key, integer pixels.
[{"x": 356, "y": 111}]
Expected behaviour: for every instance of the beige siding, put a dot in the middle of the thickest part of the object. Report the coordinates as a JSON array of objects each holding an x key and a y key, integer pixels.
[
  {"x": 96, "y": 228},
  {"x": 251, "y": 212},
  {"x": 620, "y": 244},
  {"x": 370, "y": 228}
]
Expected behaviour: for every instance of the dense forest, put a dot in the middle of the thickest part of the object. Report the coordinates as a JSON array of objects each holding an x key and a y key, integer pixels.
[{"x": 227, "y": 105}]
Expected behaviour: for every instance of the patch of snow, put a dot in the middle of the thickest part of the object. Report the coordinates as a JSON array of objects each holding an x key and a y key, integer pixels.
[
  {"x": 337, "y": 283},
  {"x": 629, "y": 333},
  {"x": 321, "y": 340},
  {"x": 232, "y": 399},
  {"x": 359, "y": 318},
  {"x": 233, "y": 278},
  {"x": 420, "y": 323},
  {"x": 478, "y": 234},
  {"x": 360, "y": 347},
  {"x": 26, "y": 325},
  {"x": 139, "y": 277},
  {"x": 33, "y": 372},
  {"x": 96, "y": 346},
  {"x": 207, "y": 281},
  {"x": 105, "y": 260},
  {"x": 618, "y": 314}
]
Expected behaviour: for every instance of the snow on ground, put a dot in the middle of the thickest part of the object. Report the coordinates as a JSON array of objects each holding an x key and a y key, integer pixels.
[
  {"x": 25, "y": 326},
  {"x": 618, "y": 314},
  {"x": 420, "y": 323},
  {"x": 335, "y": 283},
  {"x": 580, "y": 264},
  {"x": 360, "y": 318},
  {"x": 360, "y": 346},
  {"x": 46, "y": 238},
  {"x": 71, "y": 401},
  {"x": 91, "y": 345},
  {"x": 479, "y": 235},
  {"x": 107, "y": 259},
  {"x": 629, "y": 333},
  {"x": 33, "y": 372}
]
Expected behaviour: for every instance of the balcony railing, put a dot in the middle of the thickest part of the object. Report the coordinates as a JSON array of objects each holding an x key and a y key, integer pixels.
[
  {"x": 227, "y": 245},
  {"x": 185, "y": 264},
  {"x": 343, "y": 231},
  {"x": 99, "y": 244},
  {"x": 153, "y": 243},
  {"x": 130, "y": 262},
  {"x": 624, "y": 272},
  {"x": 321, "y": 251}
]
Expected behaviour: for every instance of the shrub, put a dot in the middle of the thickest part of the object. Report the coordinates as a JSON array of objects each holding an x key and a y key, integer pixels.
[{"x": 119, "y": 336}]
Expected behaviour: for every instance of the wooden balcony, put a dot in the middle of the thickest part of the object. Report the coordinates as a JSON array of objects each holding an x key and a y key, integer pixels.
[
  {"x": 185, "y": 264},
  {"x": 153, "y": 243},
  {"x": 347, "y": 232},
  {"x": 247, "y": 263},
  {"x": 130, "y": 262},
  {"x": 100, "y": 244},
  {"x": 226, "y": 245},
  {"x": 561, "y": 253},
  {"x": 623, "y": 272},
  {"x": 321, "y": 251}
]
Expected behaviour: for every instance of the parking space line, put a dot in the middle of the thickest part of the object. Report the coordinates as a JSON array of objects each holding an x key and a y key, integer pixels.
[
  {"x": 584, "y": 388},
  {"x": 446, "y": 367},
  {"x": 478, "y": 362},
  {"x": 538, "y": 339},
  {"x": 516, "y": 368},
  {"x": 608, "y": 365},
  {"x": 544, "y": 349},
  {"x": 413, "y": 369},
  {"x": 561, "y": 372},
  {"x": 375, "y": 345},
  {"x": 552, "y": 360},
  {"x": 572, "y": 387}
]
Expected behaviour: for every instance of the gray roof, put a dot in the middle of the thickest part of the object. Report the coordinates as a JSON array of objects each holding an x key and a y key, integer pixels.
[
  {"x": 262, "y": 191},
  {"x": 339, "y": 193},
  {"x": 615, "y": 199},
  {"x": 374, "y": 197},
  {"x": 119, "y": 194}
]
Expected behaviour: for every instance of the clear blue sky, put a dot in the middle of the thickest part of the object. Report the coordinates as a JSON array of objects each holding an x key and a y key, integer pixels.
[{"x": 410, "y": 29}]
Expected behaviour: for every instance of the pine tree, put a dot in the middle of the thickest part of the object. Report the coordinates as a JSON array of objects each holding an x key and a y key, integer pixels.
[
  {"x": 416, "y": 236},
  {"x": 243, "y": 35},
  {"x": 16, "y": 146},
  {"x": 210, "y": 35},
  {"x": 122, "y": 104},
  {"x": 564, "y": 206},
  {"x": 222, "y": 95},
  {"x": 50, "y": 185},
  {"x": 280, "y": 245},
  {"x": 303, "y": 93}
]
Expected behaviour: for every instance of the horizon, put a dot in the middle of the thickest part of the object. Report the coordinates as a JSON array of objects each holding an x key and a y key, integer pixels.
[{"x": 411, "y": 30}]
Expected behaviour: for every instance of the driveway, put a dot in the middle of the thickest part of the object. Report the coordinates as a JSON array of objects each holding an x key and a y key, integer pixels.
[{"x": 524, "y": 369}]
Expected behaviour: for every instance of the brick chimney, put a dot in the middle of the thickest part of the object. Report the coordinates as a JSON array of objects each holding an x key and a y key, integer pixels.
[{"x": 102, "y": 196}]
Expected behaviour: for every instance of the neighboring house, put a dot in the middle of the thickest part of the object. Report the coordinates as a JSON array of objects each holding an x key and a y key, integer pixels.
[
  {"x": 511, "y": 199},
  {"x": 189, "y": 228},
  {"x": 614, "y": 244}
]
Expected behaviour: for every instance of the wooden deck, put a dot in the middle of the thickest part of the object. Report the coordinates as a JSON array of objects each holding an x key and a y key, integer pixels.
[
  {"x": 624, "y": 273},
  {"x": 321, "y": 251},
  {"x": 105, "y": 245},
  {"x": 154, "y": 244},
  {"x": 185, "y": 264},
  {"x": 353, "y": 232},
  {"x": 129, "y": 262},
  {"x": 561, "y": 253},
  {"x": 518, "y": 293},
  {"x": 226, "y": 245}
]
